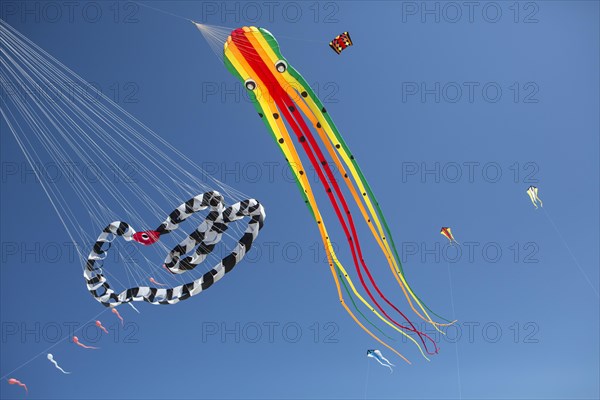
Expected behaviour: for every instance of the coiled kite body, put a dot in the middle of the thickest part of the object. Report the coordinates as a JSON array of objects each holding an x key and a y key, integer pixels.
[{"x": 203, "y": 240}]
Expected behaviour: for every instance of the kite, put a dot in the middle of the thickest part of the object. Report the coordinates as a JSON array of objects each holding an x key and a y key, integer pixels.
[
  {"x": 78, "y": 343},
  {"x": 376, "y": 354},
  {"x": 158, "y": 283},
  {"x": 13, "y": 381},
  {"x": 281, "y": 95},
  {"x": 448, "y": 233},
  {"x": 340, "y": 42},
  {"x": 99, "y": 325},
  {"x": 202, "y": 241},
  {"x": 533, "y": 195},
  {"x": 51, "y": 358}
]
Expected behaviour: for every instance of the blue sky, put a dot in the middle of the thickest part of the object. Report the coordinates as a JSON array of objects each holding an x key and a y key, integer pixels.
[{"x": 452, "y": 113}]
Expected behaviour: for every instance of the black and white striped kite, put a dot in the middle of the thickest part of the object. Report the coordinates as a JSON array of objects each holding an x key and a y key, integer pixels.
[{"x": 203, "y": 240}]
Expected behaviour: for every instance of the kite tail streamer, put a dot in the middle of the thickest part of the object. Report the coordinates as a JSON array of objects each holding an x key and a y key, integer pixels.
[
  {"x": 385, "y": 365},
  {"x": 384, "y": 359},
  {"x": 384, "y": 235},
  {"x": 376, "y": 354}
]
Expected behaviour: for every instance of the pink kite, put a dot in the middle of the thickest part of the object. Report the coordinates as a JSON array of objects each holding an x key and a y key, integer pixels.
[
  {"x": 78, "y": 343},
  {"x": 157, "y": 283},
  {"x": 13, "y": 381},
  {"x": 99, "y": 325}
]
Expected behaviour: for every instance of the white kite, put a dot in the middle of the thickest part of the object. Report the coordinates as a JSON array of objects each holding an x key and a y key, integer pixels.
[
  {"x": 533, "y": 195},
  {"x": 376, "y": 354},
  {"x": 51, "y": 358}
]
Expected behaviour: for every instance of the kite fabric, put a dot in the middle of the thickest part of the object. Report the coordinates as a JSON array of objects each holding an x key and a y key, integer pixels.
[
  {"x": 203, "y": 239},
  {"x": 532, "y": 192},
  {"x": 341, "y": 42},
  {"x": 282, "y": 96}
]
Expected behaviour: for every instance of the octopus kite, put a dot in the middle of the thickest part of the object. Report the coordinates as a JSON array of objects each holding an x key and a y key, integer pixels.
[{"x": 282, "y": 96}]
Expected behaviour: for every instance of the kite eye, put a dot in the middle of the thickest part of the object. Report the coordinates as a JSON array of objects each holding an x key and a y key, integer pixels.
[
  {"x": 281, "y": 66},
  {"x": 250, "y": 84},
  {"x": 145, "y": 236}
]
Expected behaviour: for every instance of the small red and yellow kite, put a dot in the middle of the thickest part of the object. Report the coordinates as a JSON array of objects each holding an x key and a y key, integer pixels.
[
  {"x": 448, "y": 233},
  {"x": 341, "y": 42}
]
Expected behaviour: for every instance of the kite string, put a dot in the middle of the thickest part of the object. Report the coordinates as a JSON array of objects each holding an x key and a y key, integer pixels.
[
  {"x": 35, "y": 130},
  {"x": 76, "y": 78},
  {"x": 367, "y": 378},
  {"x": 156, "y": 209},
  {"x": 585, "y": 275}
]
